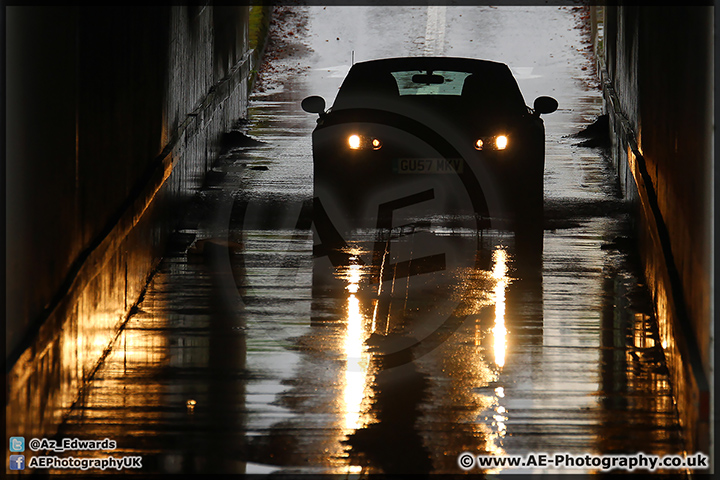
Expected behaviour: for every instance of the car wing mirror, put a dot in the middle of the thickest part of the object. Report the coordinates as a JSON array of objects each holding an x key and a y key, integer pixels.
[
  {"x": 544, "y": 105},
  {"x": 314, "y": 104}
]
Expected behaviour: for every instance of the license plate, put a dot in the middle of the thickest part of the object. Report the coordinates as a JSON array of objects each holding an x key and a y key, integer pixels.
[{"x": 428, "y": 165}]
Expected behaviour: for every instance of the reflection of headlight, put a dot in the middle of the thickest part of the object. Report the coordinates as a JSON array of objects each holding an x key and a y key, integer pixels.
[
  {"x": 496, "y": 142},
  {"x": 358, "y": 142}
]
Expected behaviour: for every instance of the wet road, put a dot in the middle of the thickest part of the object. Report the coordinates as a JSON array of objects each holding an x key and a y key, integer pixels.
[{"x": 247, "y": 355}]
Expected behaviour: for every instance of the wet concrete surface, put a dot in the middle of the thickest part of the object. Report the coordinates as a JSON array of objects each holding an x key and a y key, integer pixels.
[{"x": 247, "y": 355}]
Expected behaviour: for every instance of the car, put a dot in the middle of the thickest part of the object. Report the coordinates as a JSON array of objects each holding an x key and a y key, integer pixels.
[{"x": 458, "y": 121}]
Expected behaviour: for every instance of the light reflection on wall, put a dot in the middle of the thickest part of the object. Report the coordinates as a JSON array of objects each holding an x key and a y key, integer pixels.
[{"x": 135, "y": 350}]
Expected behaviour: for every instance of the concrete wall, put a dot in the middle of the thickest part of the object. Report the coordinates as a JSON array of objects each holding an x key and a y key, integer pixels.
[
  {"x": 113, "y": 117},
  {"x": 657, "y": 65}
]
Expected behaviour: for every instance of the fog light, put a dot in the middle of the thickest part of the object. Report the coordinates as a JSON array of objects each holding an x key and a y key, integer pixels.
[
  {"x": 479, "y": 144},
  {"x": 501, "y": 142},
  {"x": 376, "y": 144}
]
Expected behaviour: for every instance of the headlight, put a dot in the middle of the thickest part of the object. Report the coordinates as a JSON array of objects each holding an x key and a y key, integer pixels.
[
  {"x": 354, "y": 141},
  {"x": 496, "y": 142},
  {"x": 363, "y": 142}
]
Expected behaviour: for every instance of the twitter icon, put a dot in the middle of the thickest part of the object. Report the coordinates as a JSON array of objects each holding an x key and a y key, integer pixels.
[{"x": 17, "y": 444}]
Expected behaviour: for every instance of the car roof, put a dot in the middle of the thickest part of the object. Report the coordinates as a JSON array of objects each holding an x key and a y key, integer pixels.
[
  {"x": 437, "y": 63},
  {"x": 367, "y": 80}
]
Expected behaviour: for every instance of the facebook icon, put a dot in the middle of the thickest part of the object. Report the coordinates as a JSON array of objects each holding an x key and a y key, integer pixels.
[{"x": 17, "y": 462}]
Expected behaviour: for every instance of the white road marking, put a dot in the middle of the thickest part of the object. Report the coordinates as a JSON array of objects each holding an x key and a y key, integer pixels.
[{"x": 435, "y": 30}]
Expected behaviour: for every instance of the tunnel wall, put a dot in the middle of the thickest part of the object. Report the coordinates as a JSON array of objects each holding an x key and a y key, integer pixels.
[
  {"x": 657, "y": 67},
  {"x": 114, "y": 115}
]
